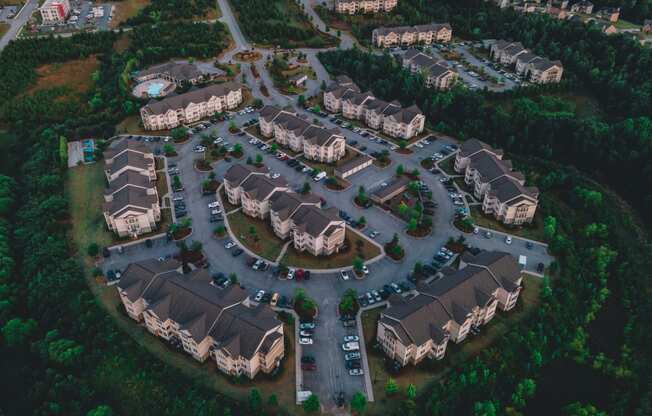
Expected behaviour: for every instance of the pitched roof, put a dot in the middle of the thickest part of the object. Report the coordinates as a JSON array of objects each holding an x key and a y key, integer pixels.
[
  {"x": 260, "y": 187},
  {"x": 393, "y": 186},
  {"x": 314, "y": 220},
  {"x": 123, "y": 144},
  {"x": 489, "y": 167},
  {"x": 284, "y": 204},
  {"x": 129, "y": 177},
  {"x": 473, "y": 146},
  {"x": 269, "y": 112},
  {"x": 432, "y": 27},
  {"x": 196, "y": 96},
  {"x": 407, "y": 115},
  {"x": 350, "y": 164},
  {"x": 137, "y": 276},
  {"x": 237, "y": 173},
  {"x": 130, "y": 197},
  {"x": 178, "y": 70},
  {"x": 291, "y": 122},
  {"x": 321, "y": 136},
  {"x": 506, "y": 189},
  {"x": 129, "y": 158}
]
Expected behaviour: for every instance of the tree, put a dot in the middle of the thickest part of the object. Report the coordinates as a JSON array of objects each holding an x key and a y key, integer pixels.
[
  {"x": 362, "y": 195},
  {"x": 17, "y": 332},
  {"x": 357, "y": 265},
  {"x": 179, "y": 133},
  {"x": 411, "y": 391},
  {"x": 232, "y": 126},
  {"x": 579, "y": 409},
  {"x": 487, "y": 408},
  {"x": 168, "y": 149},
  {"x": 259, "y": 159},
  {"x": 412, "y": 225},
  {"x": 272, "y": 400},
  {"x": 93, "y": 250},
  {"x": 196, "y": 246},
  {"x": 402, "y": 144},
  {"x": 524, "y": 390},
  {"x": 255, "y": 400},
  {"x": 403, "y": 210},
  {"x": 233, "y": 278},
  {"x": 549, "y": 227},
  {"x": 102, "y": 410},
  {"x": 400, "y": 170},
  {"x": 362, "y": 221},
  {"x": 301, "y": 100},
  {"x": 237, "y": 149},
  {"x": 358, "y": 403},
  {"x": 311, "y": 404},
  {"x": 305, "y": 189},
  {"x": 391, "y": 388},
  {"x": 63, "y": 151}
]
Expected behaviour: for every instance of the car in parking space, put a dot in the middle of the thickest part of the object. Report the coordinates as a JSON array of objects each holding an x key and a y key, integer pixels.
[
  {"x": 229, "y": 244},
  {"x": 356, "y": 372},
  {"x": 307, "y": 325},
  {"x": 344, "y": 275},
  {"x": 488, "y": 234},
  {"x": 290, "y": 275},
  {"x": 374, "y": 234},
  {"x": 352, "y": 356},
  {"x": 508, "y": 239},
  {"x": 395, "y": 287},
  {"x": 353, "y": 364},
  {"x": 529, "y": 245},
  {"x": 276, "y": 175},
  {"x": 259, "y": 295},
  {"x": 376, "y": 295},
  {"x": 540, "y": 267},
  {"x": 351, "y": 338},
  {"x": 305, "y": 341},
  {"x": 199, "y": 149},
  {"x": 365, "y": 269},
  {"x": 370, "y": 298},
  {"x": 274, "y": 300},
  {"x": 351, "y": 346},
  {"x": 308, "y": 359},
  {"x": 306, "y": 333},
  {"x": 419, "y": 145},
  {"x": 213, "y": 204},
  {"x": 237, "y": 252}
]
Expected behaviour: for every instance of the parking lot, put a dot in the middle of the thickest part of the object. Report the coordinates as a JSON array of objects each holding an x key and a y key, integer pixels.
[{"x": 85, "y": 15}]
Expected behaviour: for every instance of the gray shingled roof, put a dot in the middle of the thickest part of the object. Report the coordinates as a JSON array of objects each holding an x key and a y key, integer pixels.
[
  {"x": 284, "y": 204},
  {"x": 313, "y": 220},
  {"x": 178, "y": 70},
  {"x": 237, "y": 173},
  {"x": 291, "y": 122},
  {"x": 321, "y": 136},
  {"x": 130, "y": 197},
  {"x": 128, "y": 177},
  {"x": 489, "y": 167},
  {"x": 196, "y": 96},
  {"x": 122, "y": 145},
  {"x": 472, "y": 146},
  {"x": 129, "y": 158},
  {"x": 393, "y": 186},
  {"x": 259, "y": 187},
  {"x": 137, "y": 276},
  {"x": 269, "y": 112},
  {"x": 406, "y": 115},
  {"x": 506, "y": 189}
]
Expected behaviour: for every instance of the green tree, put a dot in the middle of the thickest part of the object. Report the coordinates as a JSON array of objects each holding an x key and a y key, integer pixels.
[
  {"x": 411, "y": 391},
  {"x": 179, "y": 133},
  {"x": 391, "y": 388},
  {"x": 63, "y": 151},
  {"x": 259, "y": 159},
  {"x": 102, "y": 410},
  {"x": 272, "y": 400},
  {"x": 362, "y": 221},
  {"x": 400, "y": 170},
  {"x": 358, "y": 403},
  {"x": 487, "y": 408},
  {"x": 358, "y": 264},
  {"x": 550, "y": 227},
  {"x": 237, "y": 149},
  {"x": 579, "y": 409},
  {"x": 17, "y": 332},
  {"x": 168, "y": 149},
  {"x": 412, "y": 224},
  {"x": 255, "y": 400},
  {"x": 362, "y": 195},
  {"x": 93, "y": 250},
  {"x": 233, "y": 278},
  {"x": 403, "y": 210},
  {"x": 311, "y": 404},
  {"x": 301, "y": 100},
  {"x": 305, "y": 189},
  {"x": 524, "y": 390}
]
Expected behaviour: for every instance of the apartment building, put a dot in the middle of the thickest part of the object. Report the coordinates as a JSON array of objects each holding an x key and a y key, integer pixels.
[
  {"x": 386, "y": 37},
  {"x": 532, "y": 67},
  {"x": 209, "y": 323},
  {"x": 54, "y": 11},
  {"x": 191, "y": 106},
  {"x": 179, "y": 72},
  {"x": 289, "y": 130},
  {"x": 131, "y": 204},
  {"x": 447, "y": 309},
  {"x": 364, "y": 6},
  {"x": 391, "y": 118},
  {"x": 501, "y": 189},
  {"x": 436, "y": 73},
  {"x": 300, "y": 217}
]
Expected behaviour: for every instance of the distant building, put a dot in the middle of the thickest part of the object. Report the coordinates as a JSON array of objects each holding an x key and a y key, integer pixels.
[
  {"x": 436, "y": 73},
  {"x": 191, "y": 106},
  {"x": 364, "y": 6},
  {"x": 605, "y": 27},
  {"x": 55, "y": 11},
  {"x": 449, "y": 308},
  {"x": 501, "y": 189},
  {"x": 385, "y": 37},
  {"x": 585, "y": 7},
  {"x": 178, "y": 73},
  {"x": 131, "y": 202},
  {"x": 243, "y": 338},
  {"x": 533, "y": 68},
  {"x": 298, "y": 80},
  {"x": 611, "y": 14},
  {"x": 395, "y": 187},
  {"x": 647, "y": 26}
]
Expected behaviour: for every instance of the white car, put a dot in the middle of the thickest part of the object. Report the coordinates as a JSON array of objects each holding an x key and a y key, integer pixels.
[
  {"x": 229, "y": 244},
  {"x": 351, "y": 346},
  {"x": 419, "y": 145},
  {"x": 508, "y": 239},
  {"x": 218, "y": 140},
  {"x": 199, "y": 149},
  {"x": 259, "y": 295},
  {"x": 356, "y": 372},
  {"x": 374, "y": 234},
  {"x": 276, "y": 175},
  {"x": 305, "y": 341},
  {"x": 214, "y": 204},
  {"x": 344, "y": 274},
  {"x": 365, "y": 269},
  {"x": 290, "y": 274},
  {"x": 376, "y": 295},
  {"x": 394, "y": 147},
  {"x": 216, "y": 211},
  {"x": 351, "y": 338},
  {"x": 396, "y": 287}
]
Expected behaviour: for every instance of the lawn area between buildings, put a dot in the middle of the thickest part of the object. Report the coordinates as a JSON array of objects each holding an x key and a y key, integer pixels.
[
  {"x": 131, "y": 125},
  {"x": 533, "y": 231},
  {"x": 428, "y": 371},
  {"x": 306, "y": 260},
  {"x": 3, "y": 29},
  {"x": 126, "y": 9},
  {"x": 264, "y": 242}
]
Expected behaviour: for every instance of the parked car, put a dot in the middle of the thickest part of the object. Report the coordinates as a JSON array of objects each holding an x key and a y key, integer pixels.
[
  {"x": 307, "y": 325},
  {"x": 305, "y": 341},
  {"x": 353, "y": 364},
  {"x": 290, "y": 275},
  {"x": 237, "y": 252},
  {"x": 307, "y": 359},
  {"x": 306, "y": 333},
  {"x": 351, "y": 338},
  {"x": 259, "y": 295},
  {"x": 344, "y": 274},
  {"x": 351, "y": 346},
  {"x": 274, "y": 300},
  {"x": 356, "y": 372},
  {"x": 352, "y": 356},
  {"x": 229, "y": 244},
  {"x": 508, "y": 239}
]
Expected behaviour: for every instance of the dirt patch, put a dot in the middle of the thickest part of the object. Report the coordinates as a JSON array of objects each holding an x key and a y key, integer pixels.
[
  {"x": 3, "y": 29},
  {"x": 181, "y": 233},
  {"x": 247, "y": 56},
  {"x": 74, "y": 75},
  {"x": 126, "y": 9},
  {"x": 122, "y": 44}
]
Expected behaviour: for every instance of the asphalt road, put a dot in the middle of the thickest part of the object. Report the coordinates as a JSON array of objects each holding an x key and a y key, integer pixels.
[{"x": 17, "y": 22}]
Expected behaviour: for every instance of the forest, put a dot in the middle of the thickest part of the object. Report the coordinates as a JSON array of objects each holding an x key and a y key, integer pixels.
[
  {"x": 278, "y": 22},
  {"x": 171, "y": 10}
]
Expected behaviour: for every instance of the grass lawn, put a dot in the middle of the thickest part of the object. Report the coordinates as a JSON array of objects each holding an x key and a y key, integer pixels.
[
  {"x": 430, "y": 371},
  {"x": 131, "y": 125},
  {"x": 3, "y": 29},
  {"x": 447, "y": 165},
  {"x": 341, "y": 259},
  {"x": 126, "y": 9},
  {"x": 532, "y": 231},
  {"x": 268, "y": 245},
  {"x": 74, "y": 75},
  {"x": 624, "y": 24}
]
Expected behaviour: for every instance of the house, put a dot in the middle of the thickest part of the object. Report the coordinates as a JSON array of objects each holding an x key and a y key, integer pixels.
[
  {"x": 647, "y": 26},
  {"x": 557, "y": 13},
  {"x": 501, "y": 189},
  {"x": 54, "y": 11},
  {"x": 605, "y": 27},
  {"x": 336, "y": 90},
  {"x": 583, "y": 6},
  {"x": 364, "y": 6},
  {"x": 436, "y": 73},
  {"x": 385, "y": 37},
  {"x": 300, "y": 217},
  {"x": 353, "y": 166},
  {"x": 191, "y": 106},
  {"x": 611, "y": 14},
  {"x": 390, "y": 190},
  {"x": 131, "y": 202},
  {"x": 533, "y": 68},
  {"x": 391, "y": 118},
  {"x": 289, "y": 130},
  {"x": 506, "y": 52},
  {"x": 447, "y": 309},
  {"x": 186, "y": 310},
  {"x": 179, "y": 72},
  {"x": 298, "y": 80}
]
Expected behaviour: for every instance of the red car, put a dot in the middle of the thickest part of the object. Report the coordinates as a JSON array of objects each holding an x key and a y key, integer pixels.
[
  {"x": 308, "y": 366},
  {"x": 299, "y": 274}
]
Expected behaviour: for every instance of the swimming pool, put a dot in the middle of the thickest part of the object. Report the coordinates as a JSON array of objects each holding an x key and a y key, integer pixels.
[{"x": 154, "y": 89}]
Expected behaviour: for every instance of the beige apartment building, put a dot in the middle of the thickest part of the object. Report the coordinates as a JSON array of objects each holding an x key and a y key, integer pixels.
[
  {"x": 171, "y": 112},
  {"x": 131, "y": 203},
  {"x": 436, "y": 73},
  {"x": 387, "y": 37},
  {"x": 289, "y": 130},
  {"x": 390, "y": 118},
  {"x": 187, "y": 310},
  {"x": 300, "y": 217},
  {"x": 447, "y": 309},
  {"x": 532, "y": 67},
  {"x": 501, "y": 189},
  {"x": 364, "y": 6}
]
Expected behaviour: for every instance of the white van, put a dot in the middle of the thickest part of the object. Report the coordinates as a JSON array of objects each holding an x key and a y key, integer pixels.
[{"x": 319, "y": 176}]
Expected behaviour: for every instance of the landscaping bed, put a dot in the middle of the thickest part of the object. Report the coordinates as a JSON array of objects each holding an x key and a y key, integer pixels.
[
  {"x": 203, "y": 165},
  {"x": 181, "y": 233}
]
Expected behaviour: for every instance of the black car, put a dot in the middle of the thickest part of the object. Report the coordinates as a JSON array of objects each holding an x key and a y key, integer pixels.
[
  {"x": 237, "y": 252},
  {"x": 308, "y": 359},
  {"x": 540, "y": 267},
  {"x": 106, "y": 252},
  {"x": 306, "y": 275},
  {"x": 340, "y": 400},
  {"x": 350, "y": 365}
]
